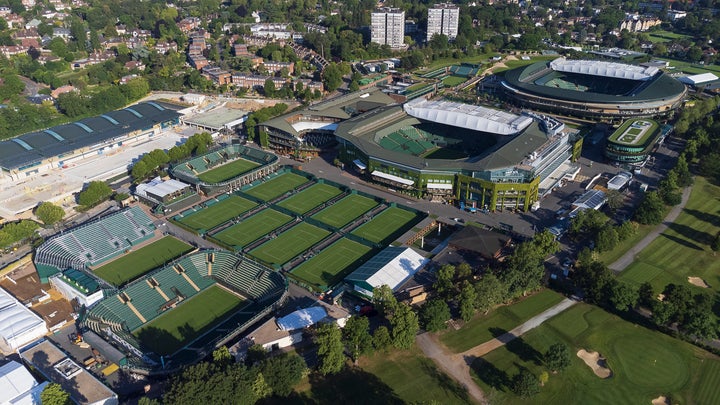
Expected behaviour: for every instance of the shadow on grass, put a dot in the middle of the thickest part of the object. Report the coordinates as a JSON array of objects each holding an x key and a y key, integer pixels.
[
  {"x": 681, "y": 241},
  {"x": 448, "y": 385},
  {"x": 488, "y": 373},
  {"x": 157, "y": 340},
  {"x": 517, "y": 345},
  {"x": 704, "y": 216},
  {"x": 351, "y": 386}
]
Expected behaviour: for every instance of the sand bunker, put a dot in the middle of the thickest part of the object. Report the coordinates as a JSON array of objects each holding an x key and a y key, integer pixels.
[
  {"x": 661, "y": 400},
  {"x": 596, "y": 362},
  {"x": 661, "y": 297},
  {"x": 697, "y": 281}
]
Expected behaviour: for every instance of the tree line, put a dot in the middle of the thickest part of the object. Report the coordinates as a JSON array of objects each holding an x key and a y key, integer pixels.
[{"x": 156, "y": 161}]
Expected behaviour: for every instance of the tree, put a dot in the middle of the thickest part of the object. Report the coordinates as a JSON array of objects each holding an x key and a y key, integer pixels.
[
  {"x": 444, "y": 280},
  {"x": 269, "y": 87},
  {"x": 607, "y": 238},
  {"x": 49, "y": 213},
  {"x": 148, "y": 401},
  {"x": 260, "y": 387},
  {"x": 467, "y": 301},
  {"x": 434, "y": 315},
  {"x": 53, "y": 394},
  {"x": 651, "y": 209},
  {"x": 140, "y": 171},
  {"x": 384, "y": 300},
  {"x": 623, "y": 296},
  {"x": 490, "y": 291},
  {"x": 615, "y": 199},
  {"x": 356, "y": 336},
  {"x": 255, "y": 354},
  {"x": 524, "y": 270},
  {"x": 282, "y": 373},
  {"x": 646, "y": 295},
  {"x": 525, "y": 384},
  {"x": 330, "y": 348},
  {"x": 463, "y": 271},
  {"x": 221, "y": 356},
  {"x": 381, "y": 338},
  {"x": 404, "y": 326},
  {"x": 95, "y": 193},
  {"x": 557, "y": 357}
]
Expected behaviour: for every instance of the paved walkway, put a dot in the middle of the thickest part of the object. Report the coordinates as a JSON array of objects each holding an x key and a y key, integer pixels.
[
  {"x": 457, "y": 365},
  {"x": 623, "y": 262}
]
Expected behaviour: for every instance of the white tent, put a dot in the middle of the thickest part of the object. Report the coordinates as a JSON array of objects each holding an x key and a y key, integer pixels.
[
  {"x": 18, "y": 325},
  {"x": 17, "y": 385}
]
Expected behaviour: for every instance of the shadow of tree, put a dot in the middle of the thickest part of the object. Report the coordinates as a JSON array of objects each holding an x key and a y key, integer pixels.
[
  {"x": 351, "y": 386},
  {"x": 704, "y": 216},
  {"x": 692, "y": 234},
  {"x": 502, "y": 335},
  {"x": 488, "y": 373},
  {"x": 448, "y": 384},
  {"x": 681, "y": 241}
]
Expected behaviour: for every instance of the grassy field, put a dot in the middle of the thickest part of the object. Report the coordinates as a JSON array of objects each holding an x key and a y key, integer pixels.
[
  {"x": 609, "y": 257},
  {"x": 175, "y": 328},
  {"x": 683, "y": 250},
  {"x": 252, "y": 228},
  {"x": 217, "y": 213},
  {"x": 344, "y": 211},
  {"x": 289, "y": 244},
  {"x": 327, "y": 267},
  {"x": 666, "y": 36},
  {"x": 645, "y": 364},
  {"x": 277, "y": 186},
  {"x": 692, "y": 68},
  {"x": 141, "y": 261},
  {"x": 227, "y": 171},
  {"x": 384, "y": 224},
  {"x": 452, "y": 81},
  {"x": 485, "y": 327},
  {"x": 310, "y": 198}
]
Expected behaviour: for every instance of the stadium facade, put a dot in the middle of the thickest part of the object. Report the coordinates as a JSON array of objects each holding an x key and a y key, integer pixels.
[
  {"x": 57, "y": 147},
  {"x": 633, "y": 141},
  {"x": 395, "y": 145},
  {"x": 593, "y": 89}
]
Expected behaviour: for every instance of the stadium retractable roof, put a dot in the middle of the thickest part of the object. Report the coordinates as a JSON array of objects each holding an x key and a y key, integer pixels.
[
  {"x": 31, "y": 148},
  {"x": 468, "y": 116},
  {"x": 604, "y": 69}
]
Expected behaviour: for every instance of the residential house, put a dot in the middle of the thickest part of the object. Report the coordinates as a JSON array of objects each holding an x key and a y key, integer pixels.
[
  {"x": 274, "y": 67},
  {"x": 256, "y": 81},
  {"x": 217, "y": 75}
]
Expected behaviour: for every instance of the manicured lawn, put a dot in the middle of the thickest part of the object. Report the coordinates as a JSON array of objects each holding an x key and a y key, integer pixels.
[
  {"x": 277, "y": 186},
  {"x": 227, "y": 171},
  {"x": 177, "y": 327},
  {"x": 344, "y": 211},
  {"x": 289, "y": 244},
  {"x": 452, "y": 81},
  {"x": 683, "y": 250},
  {"x": 257, "y": 225},
  {"x": 328, "y": 267},
  {"x": 611, "y": 256},
  {"x": 692, "y": 68},
  {"x": 385, "y": 224},
  {"x": 485, "y": 327},
  {"x": 644, "y": 363},
  {"x": 216, "y": 214},
  {"x": 141, "y": 261},
  {"x": 310, "y": 198}
]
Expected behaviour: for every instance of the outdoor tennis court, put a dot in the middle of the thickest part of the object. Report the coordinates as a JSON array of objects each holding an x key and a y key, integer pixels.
[
  {"x": 277, "y": 186},
  {"x": 331, "y": 265},
  {"x": 227, "y": 171},
  {"x": 216, "y": 214},
  {"x": 384, "y": 224},
  {"x": 346, "y": 210},
  {"x": 289, "y": 244},
  {"x": 252, "y": 228},
  {"x": 310, "y": 198}
]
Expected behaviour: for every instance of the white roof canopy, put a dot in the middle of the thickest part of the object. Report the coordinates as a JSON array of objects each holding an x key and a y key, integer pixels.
[
  {"x": 440, "y": 186},
  {"x": 698, "y": 79},
  {"x": 314, "y": 125},
  {"x": 392, "y": 177},
  {"x": 604, "y": 69},
  {"x": 15, "y": 382},
  {"x": 18, "y": 325},
  {"x": 467, "y": 116},
  {"x": 302, "y": 318},
  {"x": 359, "y": 164}
]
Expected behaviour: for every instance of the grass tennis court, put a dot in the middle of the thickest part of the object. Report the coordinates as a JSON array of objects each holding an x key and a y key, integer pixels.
[
  {"x": 346, "y": 210},
  {"x": 327, "y": 267},
  {"x": 645, "y": 363},
  {"x": 141, "y": 261},
  {"x": 252, "y": 228},
  {"x": 310, "y": 198},
  {"x": 289, "y": 244},
  {"x": 227, "y": 171},
  {"x": 384, "y": 224},
  {"x": 172, "y": 330},
  {"x": 216, "y": 214},
  {"x": 277, "y": 186}
]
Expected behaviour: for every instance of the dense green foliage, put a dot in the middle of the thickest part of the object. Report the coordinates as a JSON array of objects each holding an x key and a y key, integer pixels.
[
  {"x": 14, "y": 232},
  {"x": 330, "y": 348},
  {"x": 49, "y": 213},
  {"x": 95, "y": 193},
  {"x": 434, "y": 315},
  {"x": 262, "y": 115},
  {"x": 53, "y": 394}
]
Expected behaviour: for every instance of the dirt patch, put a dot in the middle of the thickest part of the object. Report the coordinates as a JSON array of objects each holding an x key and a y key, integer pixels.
[
  {"x": 698, "y": 282},
  {"x": 596, "y": 362},
  {"x": 661, "y": 400},
  {"x": 511, "y": 57}
]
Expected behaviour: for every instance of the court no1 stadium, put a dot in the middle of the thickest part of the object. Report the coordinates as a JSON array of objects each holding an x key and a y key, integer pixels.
[{"x": 593, "y": 89}]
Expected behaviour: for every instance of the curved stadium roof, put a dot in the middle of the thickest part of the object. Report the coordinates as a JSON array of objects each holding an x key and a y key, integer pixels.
[
  {"x": 604, "y": 69},
  {"x": 468, "y": 116},
  {"x": 660, "y": 88}
]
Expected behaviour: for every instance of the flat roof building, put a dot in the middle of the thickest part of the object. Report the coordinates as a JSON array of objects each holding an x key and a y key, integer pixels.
[
  {"x": 393, "y": 266},
  {"x": 18, "y": 324},
  {"x": 387, "y": 27},
  {"x": 443, "y": 19}
]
